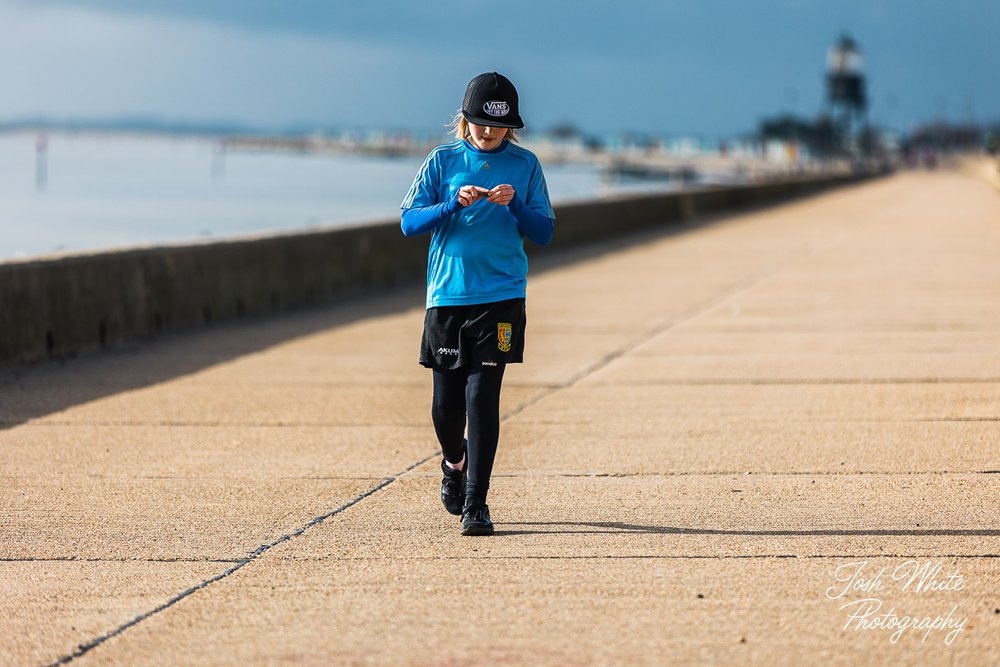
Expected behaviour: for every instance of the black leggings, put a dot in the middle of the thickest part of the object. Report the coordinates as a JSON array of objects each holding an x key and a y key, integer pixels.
[{"x": 474, "y": 394}]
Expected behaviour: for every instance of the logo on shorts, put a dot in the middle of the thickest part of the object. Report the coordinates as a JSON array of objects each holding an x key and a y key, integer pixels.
[
  {"x": 448, "y": 350},
  {"x": 504, "y": 332},
  {"x": 496, "y": 108}
]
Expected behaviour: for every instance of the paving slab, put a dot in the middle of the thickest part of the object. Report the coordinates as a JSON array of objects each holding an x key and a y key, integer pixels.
[
  {"x": 262, "y": 452},
  {"x": 607, "y": 395},
  {"x": 170, "y": 518},
  {"x": 49, "y": 607},
  {"x": 707, "y": 444},
  {"x": 192, "y": 403},
  {"x": 681, "y": 342},
  {"x": 792, "y": 367},
  {"x": 775, "y": 356},
  {"x": 184, "y": 402},
  {"x": 691, "y": 515}
]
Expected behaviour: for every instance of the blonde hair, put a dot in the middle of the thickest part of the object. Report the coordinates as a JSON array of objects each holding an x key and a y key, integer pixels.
[{"x": 459, "y": 128}]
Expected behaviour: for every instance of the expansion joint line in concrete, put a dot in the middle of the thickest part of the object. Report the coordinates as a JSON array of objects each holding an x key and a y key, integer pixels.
[
  {"x": 478, "y": 557},
  {"x": 243, "y": 562},
  {"x": 719, "y": 557},
  {"x": 716, "y": 300}
]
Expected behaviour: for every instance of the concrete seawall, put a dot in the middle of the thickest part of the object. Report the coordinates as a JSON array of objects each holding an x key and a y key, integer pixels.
[{"x": 57, "y": 308}]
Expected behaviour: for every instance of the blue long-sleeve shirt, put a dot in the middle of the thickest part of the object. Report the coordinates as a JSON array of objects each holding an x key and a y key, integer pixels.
[
  {"x": 536, "y": 227},
  {"x": 476, "y": 253}
]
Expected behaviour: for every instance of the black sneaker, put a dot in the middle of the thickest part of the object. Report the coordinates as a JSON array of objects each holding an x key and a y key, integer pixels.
[
  {"x": 452, "y": 489},
  {"x": 476, "y": 520}
]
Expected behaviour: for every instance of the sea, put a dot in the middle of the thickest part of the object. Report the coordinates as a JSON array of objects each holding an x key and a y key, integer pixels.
[{"x": 72, "y": 193}]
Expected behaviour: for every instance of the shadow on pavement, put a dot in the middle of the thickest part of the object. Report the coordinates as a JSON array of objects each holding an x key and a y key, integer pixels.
[
  {"x": 584, "y": 527},
  {"x": 34, "y": 391}
]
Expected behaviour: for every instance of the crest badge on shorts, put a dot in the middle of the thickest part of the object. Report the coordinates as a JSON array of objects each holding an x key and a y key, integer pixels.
[{"x": 504, "y": 332}]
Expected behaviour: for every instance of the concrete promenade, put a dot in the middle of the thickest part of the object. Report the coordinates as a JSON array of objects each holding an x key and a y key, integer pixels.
[{"x": 709, "y": 424}]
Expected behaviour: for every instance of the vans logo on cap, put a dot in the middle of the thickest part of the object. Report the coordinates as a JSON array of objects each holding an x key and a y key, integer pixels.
[{"x": 496, "y": 108}]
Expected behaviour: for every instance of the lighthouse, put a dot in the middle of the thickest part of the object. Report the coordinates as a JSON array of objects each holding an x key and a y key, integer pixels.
[{"x": 847, "y": 98}]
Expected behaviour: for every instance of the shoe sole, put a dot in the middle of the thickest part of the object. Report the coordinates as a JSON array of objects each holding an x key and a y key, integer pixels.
[{"x": 477, "y": 529}]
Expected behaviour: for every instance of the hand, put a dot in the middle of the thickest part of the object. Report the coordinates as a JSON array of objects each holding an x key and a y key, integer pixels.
[
  {"x": 469, "y": 194},
  {"x": 501, "y": 194}
]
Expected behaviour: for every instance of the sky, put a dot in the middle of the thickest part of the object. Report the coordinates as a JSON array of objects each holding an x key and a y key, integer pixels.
[{"x": 710, "y": 68}]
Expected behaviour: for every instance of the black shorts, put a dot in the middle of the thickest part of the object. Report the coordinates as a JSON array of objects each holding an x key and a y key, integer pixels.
[{"x": 471, "y": 336}]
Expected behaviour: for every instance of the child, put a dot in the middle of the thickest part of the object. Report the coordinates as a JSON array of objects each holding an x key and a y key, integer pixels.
[{"x": 480, "y": 196}]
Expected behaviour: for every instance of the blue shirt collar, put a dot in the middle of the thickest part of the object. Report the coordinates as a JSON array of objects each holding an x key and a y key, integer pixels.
[{"x": 499, "y": 149}]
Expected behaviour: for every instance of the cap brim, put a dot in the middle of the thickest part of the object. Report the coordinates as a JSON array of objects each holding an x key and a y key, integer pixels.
[{"x": 514, "y": 123}]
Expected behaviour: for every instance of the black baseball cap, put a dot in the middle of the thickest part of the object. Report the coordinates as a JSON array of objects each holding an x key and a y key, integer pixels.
[{"x": 491, "y": 99}]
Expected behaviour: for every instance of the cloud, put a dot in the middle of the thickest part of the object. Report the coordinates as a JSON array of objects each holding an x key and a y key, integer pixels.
[{"x": 72, "y": 61}]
